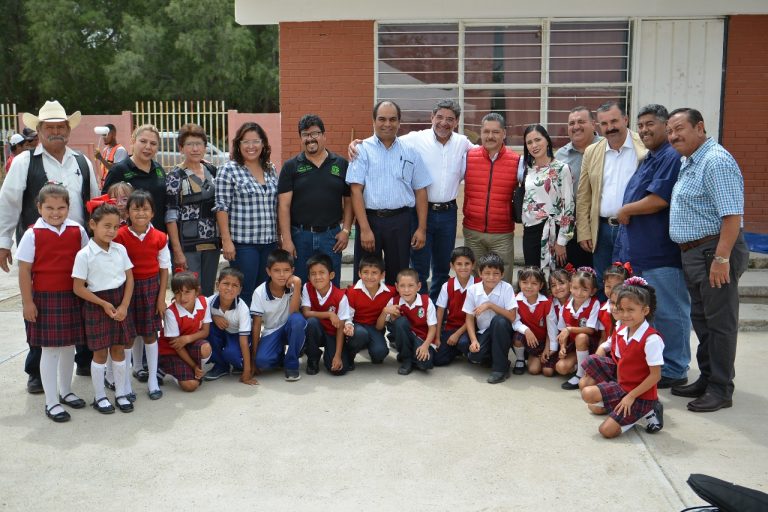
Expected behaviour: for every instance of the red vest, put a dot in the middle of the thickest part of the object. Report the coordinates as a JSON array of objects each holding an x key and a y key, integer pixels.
[
  {"x": 367, "y": 311},
  {"x": 455, "y": 317},
  {"x": 632, "y": 368},
  {"x": 187, "y": 325},
  {"x": 54, "y": 259},
  {"x": 535, "y": 320},
  {"x": 143, "y": 253},
  {"x": 488, "y": 189},
  {"x": 606, "y": 320},
  {"x": 580, "y": 320},
  {"x": 417, "y": 317},
  {"x": 331, "y": 304}
]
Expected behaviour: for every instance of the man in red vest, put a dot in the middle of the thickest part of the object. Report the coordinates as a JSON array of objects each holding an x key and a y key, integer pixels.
[{"x": 110, "y": 154}]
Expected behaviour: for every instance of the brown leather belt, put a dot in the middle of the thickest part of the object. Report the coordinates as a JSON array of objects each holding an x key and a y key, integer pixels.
[{"x": 687, "y": 246}]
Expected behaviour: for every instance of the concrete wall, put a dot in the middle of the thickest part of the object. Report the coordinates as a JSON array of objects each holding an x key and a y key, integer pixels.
[{"x": 745, "y": 112}]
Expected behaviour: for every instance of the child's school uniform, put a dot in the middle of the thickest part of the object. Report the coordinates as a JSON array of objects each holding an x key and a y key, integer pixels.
[
  {"x": 51, "y": 251},
  {"x": 603, "y": 368},
  {"x": 364, "y": 310},
  {"x": 533, "y": 317},
  {"x": 585, "y": 316},
  {"x": 225, "y": 343},
  {"x": 605, "y": 318},
  {"x": 411, "y": 329},
  {"x": 322, "y": 333},
  {"x": 451, "y": 299},
  {"x": 104, "y": 275},
  {"x": 494, "y": 332},
  {"x": 180, "y": 322},
  {"x": 635, "y": 356},
  {"x": 148, "y": 253},
  {"x": 280, "y": 329}
]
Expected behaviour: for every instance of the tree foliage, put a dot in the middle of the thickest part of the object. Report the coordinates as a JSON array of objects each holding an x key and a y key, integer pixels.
[{"x": 100, "y": 56}]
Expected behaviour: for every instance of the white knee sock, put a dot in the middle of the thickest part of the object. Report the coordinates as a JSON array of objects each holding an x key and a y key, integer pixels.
[
  {"x": 138, "y": 351},
  {"x": 49, "y": 364},
  {"x": 119, "y": 369},
  {"x": 152, "y": 357},
  {"x": 128, "y": 365},
  {"x": 581, "y": 356},
  {"x": 66, "y": 369},
  {"x": 97, "y": 379},
  {"x": 108, "y": 373},
  {"x": 519, "y": 353}
]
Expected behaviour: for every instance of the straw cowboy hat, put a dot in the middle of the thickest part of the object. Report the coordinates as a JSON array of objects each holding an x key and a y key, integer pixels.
[{"x": 51, "y": 111}]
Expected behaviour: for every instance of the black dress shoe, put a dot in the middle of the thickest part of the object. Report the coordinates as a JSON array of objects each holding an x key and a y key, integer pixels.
[
  {"x": 313, "y": 367},
  {"x": 83, "y": 371},
  {"x": 123, "y": 407},
  {"x": 668, "y": 382},
  {"x": 59, "y": 417},
  {"x": 497, "y": 377},
  {"x": 34, "y": 385},
  {"x": 103, "y": 405},
  {"x": 72, "y": 400},
  {"x": 693, "y": 390},
  {"x": 405, "y": 369},
  {"x": 709, "y": 403}
]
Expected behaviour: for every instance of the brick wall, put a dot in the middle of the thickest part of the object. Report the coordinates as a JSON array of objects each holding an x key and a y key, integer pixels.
[
  {"x": 326, "y": 68},
  {"x": 745, "y": 113}
]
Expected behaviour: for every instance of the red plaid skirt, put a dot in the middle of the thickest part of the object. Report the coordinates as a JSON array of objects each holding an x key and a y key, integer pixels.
[
  {"x": 612, "y": 394},
  {"x": 537, "y": 350},
  {"x": 59, "y": 320},
  {"x": 101, "y": 331},
  {"x": 143, "y": 309},
  {"x": 600, "y": 368},
  {"x": 174, "y": 365}
]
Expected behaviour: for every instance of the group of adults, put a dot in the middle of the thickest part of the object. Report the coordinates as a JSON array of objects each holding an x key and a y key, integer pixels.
[{"x": 620, "y": 196}]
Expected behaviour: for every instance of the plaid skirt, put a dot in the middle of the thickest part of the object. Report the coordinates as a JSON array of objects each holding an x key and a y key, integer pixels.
[
  {"x": 174, "y": 365},
  {"x": 59, "y": 320},
  {"x": 143, "y": 309},
  {"x": 612, "y": 394},
  {"x": 600, "y": 368},
  {"x": 101, "y": 331},
  {"x": 537, "y": 350}
]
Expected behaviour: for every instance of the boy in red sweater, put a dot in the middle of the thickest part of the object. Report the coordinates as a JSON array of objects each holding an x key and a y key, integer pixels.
[{"x": 452, "y": 339}]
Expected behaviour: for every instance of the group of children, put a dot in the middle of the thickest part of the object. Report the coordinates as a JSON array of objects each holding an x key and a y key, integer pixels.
[{"x": 110, "y": 290}]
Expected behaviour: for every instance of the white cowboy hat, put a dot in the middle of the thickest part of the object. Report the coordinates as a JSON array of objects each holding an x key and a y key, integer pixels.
[{"x": 51, "y": 111}]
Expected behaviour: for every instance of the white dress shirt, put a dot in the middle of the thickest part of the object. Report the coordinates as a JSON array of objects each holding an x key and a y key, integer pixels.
[
  {"x": 100, "y": 269},
  {"x": 446, "y": 163},
  {"x": 618, "y": 169}
]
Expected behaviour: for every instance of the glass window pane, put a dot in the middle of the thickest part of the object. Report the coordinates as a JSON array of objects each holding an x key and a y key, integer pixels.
[
  {"x": 418, "y": 54},
  {"x": 519, "y": 108},
  {"x": 416, "y": 104},
  {"x": 561, "y": 101},
  {"x": 502, "y": 55},
  {"x": 589, "y": 52}
]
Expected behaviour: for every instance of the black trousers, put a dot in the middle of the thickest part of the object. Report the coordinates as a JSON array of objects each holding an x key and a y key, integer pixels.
[{"x": 393, "y": 239}]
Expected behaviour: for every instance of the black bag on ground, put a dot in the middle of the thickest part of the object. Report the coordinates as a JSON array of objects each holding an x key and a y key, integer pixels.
[{"x": 727, "y": 497}]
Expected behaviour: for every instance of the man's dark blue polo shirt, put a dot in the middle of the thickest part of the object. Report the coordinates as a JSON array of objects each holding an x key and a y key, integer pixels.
[{"x": 646, "y": 243}]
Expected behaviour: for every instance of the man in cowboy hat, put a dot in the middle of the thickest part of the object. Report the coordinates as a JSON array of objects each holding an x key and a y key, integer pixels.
[{"x": 50, "y": 161}]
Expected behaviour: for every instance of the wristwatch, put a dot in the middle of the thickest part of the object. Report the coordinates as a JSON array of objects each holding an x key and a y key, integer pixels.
[{"x": 721, "y": 260}]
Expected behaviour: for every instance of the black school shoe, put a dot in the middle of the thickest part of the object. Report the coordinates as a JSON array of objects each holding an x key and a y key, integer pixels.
[
  {"x": 658, "y": 410},
  {"x": 313, "y": 367},
  {"x": 124, "y": 407},
  {"x": 519, "y": 368},
  {"x": 59, "y": 417},
  {"x": 103, "y": 405}
]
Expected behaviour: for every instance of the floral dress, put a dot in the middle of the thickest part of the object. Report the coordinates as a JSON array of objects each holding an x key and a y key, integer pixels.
[{"x": 549, "y": 199}]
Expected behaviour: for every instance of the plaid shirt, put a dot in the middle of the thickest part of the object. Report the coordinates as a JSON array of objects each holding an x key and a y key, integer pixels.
[
  {"x": 252, "y": 207},
  {"x": 709, "y": 187}
]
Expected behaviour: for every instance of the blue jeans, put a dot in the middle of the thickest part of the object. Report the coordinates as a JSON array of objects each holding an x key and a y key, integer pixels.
[
  {"x": 367, "y": 336},
  {"x": 308, "y": 243},
  {"x": 251, "y": 260},
  {"x": 447, "y": 353},
  {"x": 436, "y": 253},
  {"x": 225, "y": 348},
  {"x": 271, "y": 352},
  {"x": 317, "y": 338},
  {"x": 602, "y": 257},
  {"x": 672, "y": 318}
]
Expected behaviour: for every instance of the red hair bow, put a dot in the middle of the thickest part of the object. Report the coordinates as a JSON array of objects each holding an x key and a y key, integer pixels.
[
  {"x": 626, "y": 266},
  {"x": 98, "y": 201},
  {"x": 569, "y": 268}
]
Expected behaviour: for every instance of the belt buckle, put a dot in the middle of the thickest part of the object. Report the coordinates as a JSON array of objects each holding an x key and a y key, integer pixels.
[{"x": 613, "y": 221}]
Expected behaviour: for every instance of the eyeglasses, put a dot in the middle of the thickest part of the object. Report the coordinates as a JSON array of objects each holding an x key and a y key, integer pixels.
[
  {"x": 194, "y": 144},
  {"x": 311, "y": 135},
  {"x": 248, "y": 143}
]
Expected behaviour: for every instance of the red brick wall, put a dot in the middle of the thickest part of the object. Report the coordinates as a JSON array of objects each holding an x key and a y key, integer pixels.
[
  {"x": 326, "y": 68},
  {"x": 745, "y": 113}
]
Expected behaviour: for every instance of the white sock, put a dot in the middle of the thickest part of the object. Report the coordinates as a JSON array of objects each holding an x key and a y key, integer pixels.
[
  {"x": 49, "y": 364},
  {"x": 519, "y": 353},
  {"x": 574, "y": 380},
  {"x": 581, "y": 356},
  {"x": 119, "y": 369},
  {"x": 128, "y": 365},
  {"x": 138, "y": 351},
  {"x": 66, "y": 369},
  {"x": 204, "y": 361},
  {"x": 109, "y": 374},
  {"x": 599, "y": 404},
  {"x": 152, "y": 357},
  {"x": 97, "y": 379}
]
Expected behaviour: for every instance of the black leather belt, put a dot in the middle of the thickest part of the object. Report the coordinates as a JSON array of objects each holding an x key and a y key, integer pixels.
[
  {"x": 387, "y": 213},
  {"x": 314, "y": 229},
  {"x": 441, "y": 207},
  {"x": 687, "y": 246},
  {"x": 611, "y": 221}
]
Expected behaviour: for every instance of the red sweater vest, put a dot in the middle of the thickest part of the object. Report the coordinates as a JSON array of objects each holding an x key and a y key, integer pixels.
[
  {"x": 580, "y": 320},
  {"x": 535, "y": 320},
  {"x": 417, "y": 317},
  {"x": 367, "y": 311},
  {"x": 488, "y": 189},
  {"x": 54, "y": 259},
  {"x": 455, "y": 317},
  {"x": 632, "y": 368},
  {"x": 186, "y": 325},
  {"x": 331, "y": 304},
  {"x": 143, "y": 253},
  {"x": 606, "y": 320}
]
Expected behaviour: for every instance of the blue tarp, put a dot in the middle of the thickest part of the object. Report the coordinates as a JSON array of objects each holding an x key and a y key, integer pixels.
[{"x": 757, "y": 242}]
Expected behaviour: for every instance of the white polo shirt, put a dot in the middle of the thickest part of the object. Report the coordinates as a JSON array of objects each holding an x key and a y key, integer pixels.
[
  {"x": 503, "y": 295},
  {"x": 654, "y": 345},
  {"x": 26, "y": 249},
  {"x": 101, "y": 270},
  {"x": 238, "y": 317},
  {"x": 343, "y": 312},
  {"x": 446, "y": 163},
  {"x": 171, "y": 327},
  {"x": 618, "y": 168},
  {"x": 274, "y": 311},
  {"x": 591, "y": 319}
]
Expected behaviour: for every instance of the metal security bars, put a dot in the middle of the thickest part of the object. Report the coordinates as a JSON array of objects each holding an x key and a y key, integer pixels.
[{"x": 9, "y": 124}]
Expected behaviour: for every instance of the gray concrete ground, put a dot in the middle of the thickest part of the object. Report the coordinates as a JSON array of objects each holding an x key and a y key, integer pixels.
[{"x": 371, "y": 440}]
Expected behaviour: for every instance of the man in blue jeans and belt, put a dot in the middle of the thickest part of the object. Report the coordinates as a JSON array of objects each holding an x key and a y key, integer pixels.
[
  {"x": 314, "y": 209},
  {"x": 644, "y": 241}
]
